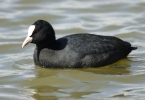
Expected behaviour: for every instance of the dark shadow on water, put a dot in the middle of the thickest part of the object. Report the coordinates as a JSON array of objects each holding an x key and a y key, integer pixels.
[{"x": 119, "y": 68}]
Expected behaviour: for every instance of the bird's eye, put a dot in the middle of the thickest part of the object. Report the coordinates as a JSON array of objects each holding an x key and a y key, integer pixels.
[{"x": 36, "y": 31}]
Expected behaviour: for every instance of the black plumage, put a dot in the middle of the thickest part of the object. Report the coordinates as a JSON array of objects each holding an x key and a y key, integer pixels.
[{"x": 77, "y": 50}]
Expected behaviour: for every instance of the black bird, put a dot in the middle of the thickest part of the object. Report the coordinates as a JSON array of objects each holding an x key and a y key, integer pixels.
[{"x": 74, "y": 51}]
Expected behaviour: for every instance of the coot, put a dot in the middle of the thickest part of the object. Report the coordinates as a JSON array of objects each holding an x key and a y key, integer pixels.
[{"x": 74, "y": 51}]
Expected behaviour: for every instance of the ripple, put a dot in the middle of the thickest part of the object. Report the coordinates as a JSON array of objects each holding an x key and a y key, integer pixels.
[{"x": 21, "y": 79}]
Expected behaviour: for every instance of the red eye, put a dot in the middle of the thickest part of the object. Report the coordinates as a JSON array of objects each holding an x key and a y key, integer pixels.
[{"x": 36, "y": 31}]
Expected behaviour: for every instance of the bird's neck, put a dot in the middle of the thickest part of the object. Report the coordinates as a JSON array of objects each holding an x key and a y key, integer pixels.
[{"x": 47, "y": 44}]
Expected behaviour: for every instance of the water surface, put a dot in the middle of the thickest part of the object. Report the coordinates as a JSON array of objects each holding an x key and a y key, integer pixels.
[{"x": 20, "y": 79}]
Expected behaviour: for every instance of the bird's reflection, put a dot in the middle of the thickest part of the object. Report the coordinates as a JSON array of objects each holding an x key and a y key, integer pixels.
[
  {"x": 119, "y": 68},
  {"x": 54, "y": 83}
]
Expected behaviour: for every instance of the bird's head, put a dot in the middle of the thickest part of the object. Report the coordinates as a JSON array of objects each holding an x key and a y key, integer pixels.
[{"x": 40, "y": 32}]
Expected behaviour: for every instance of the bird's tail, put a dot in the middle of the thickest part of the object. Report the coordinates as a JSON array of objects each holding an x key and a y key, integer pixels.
[{"x": 133, "y": 48}]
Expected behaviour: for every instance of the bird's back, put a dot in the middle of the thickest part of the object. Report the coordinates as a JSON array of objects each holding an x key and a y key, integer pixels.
[{"x": 89, "y": 43}]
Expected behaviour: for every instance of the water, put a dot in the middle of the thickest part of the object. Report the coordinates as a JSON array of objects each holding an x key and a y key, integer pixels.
[{"x": 20, "y": 79}]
